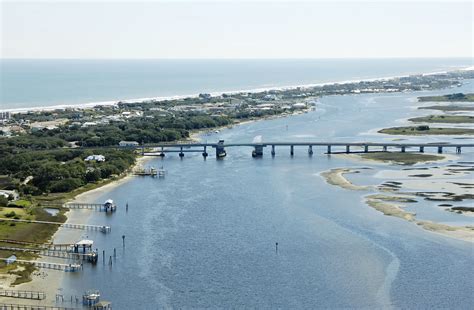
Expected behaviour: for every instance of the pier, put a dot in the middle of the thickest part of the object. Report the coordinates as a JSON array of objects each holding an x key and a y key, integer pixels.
[
  {"x": 104, "y": 229},
  {"x": 23, "y": 294},
  {"x": 311, "y": 147},
  {"x": 8, "y": 306},
  {"x": 50, "y": 265}
]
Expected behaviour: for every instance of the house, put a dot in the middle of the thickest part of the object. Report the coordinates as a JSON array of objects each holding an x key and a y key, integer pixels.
[
  {"x": 98, "y": 158},
  {"x": 7, "y": 194},
  {"x": 128, "y": 143},
  {"x": 299, "y": 105}
]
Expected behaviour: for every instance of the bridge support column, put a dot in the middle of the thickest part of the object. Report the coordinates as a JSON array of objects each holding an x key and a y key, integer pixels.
[
  {"x": 292, "y": 150},
  {"x": 204, "y": 154},
  {"x": 366, "y": 148},
  {"x": 220, "y": 151},
  {"x": 329, "y": 149},
  {"x": 403, "y": 149},
  {"x": 458, "y": 149},
  {"x": 440, "y": 149},
  {"x": 273, "y": 150},
  {"x": 348, "y": 149},
  {"x": 258, "y": 152},
  {"x": 422, "y": 149},
  {"x": 143, "y": 150},
  {"x": 310, "y": 150},
  {"x": 384, "y": 148},
  {"x": 162, "y": 153},
  {"x": 181, "y": 154}
]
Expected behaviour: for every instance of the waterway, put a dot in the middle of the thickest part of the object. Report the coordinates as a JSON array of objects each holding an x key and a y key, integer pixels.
[{"x": 205, "y": 235}]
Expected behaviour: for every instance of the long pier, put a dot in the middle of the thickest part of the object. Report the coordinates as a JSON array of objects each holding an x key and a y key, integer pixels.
[
  {"x": 8, "y": 306},
  {"x": 327, "y": 147},
  {"x": 38, "y": 295},
  {"x": 49, "y": 265},
  {"x": 104, "y": 229},
  {"x": 53, "y": 253}
]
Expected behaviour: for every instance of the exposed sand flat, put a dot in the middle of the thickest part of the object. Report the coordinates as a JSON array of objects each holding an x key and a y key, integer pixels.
[
  {"x": 390, "y": 209},
  {"x": 336, "y": 177},
  {"x": 387, "y": 203},
  {"x": 464, "y": 233}
]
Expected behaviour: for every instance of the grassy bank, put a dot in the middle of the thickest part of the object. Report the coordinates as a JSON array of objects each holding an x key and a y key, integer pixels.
[
  {"x": 448, "y": 108},
  {"x": 423, "y": 130},
  {"x": 448, "y": 98},
  {"x": 400, "y": 158},
  {"x": 449, "y": 119}
]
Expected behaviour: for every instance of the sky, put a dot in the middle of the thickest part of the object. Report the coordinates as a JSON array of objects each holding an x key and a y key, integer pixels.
[{"x": 235, "y": 29}]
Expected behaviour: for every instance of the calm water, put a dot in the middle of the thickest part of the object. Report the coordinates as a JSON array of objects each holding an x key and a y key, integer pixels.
[
  {"x": 37, "y": 83},
  {"x": 205, "y": 235}
]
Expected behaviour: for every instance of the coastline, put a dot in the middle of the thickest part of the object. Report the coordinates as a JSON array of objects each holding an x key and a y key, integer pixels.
[
  {"x": 387, "y": 202},
  {"x": 48, "y": 280},
  {"x": 218, "y": 93}
]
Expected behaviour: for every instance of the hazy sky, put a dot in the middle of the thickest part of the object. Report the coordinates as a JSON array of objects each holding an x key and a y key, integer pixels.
[{"x": 235, "y": 29}]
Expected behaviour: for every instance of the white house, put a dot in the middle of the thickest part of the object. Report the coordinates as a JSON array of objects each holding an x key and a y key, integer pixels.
[
  {"x": 7, "y": 194},
  {"x": 128, "y": 143},
  {"x": 98, "y": 158}
]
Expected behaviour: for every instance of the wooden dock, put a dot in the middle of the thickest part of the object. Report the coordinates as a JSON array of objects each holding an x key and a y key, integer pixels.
[
  {"x": 49, "y": 265},
  {"x": 104, "y": 229},
  {"x": 8, "y": 306},
  {"x": 54, "y": 253},
  {"x": 23, "y": 294}
]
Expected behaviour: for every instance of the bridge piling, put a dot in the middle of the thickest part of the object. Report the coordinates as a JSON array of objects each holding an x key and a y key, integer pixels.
[
  {"x": 366, "y": 148},
  {"x": 348, "y": 149},
  {"x": 458, "y": 149},
  {"x": 273, "y": 150},
  {"x": 422, "y": 149},
  {"x": 329, "y": 149},
  {"x": 204, "y": 154},
  {"x": 403, "y": 149},
  {"x": 292, "y": 152},
  {"x": 310, "y": 150},
  {"x": 440, "y": 149},
  {"x": 384, "y": 148},
  {"x": 181, "y": 154}
]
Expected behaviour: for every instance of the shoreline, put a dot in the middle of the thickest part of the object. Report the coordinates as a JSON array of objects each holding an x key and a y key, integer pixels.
[
  {"x": 385, "y": 202},
  {"x": 48, "y": 280},
  {"x": 86, "y": 105}
]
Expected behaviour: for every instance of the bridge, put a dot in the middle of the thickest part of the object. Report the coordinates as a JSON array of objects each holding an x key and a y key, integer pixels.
[{"x": 330, "y": 147}]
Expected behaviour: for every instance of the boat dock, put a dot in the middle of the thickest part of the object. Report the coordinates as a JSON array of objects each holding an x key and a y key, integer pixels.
[
  {"x": 91, "y": 256},
  {"x": 104, "y": 229},
  {"x": 5, "y": 306},
  {"x": 49, "y": 265},
  {"x": 23, "y": 294}
]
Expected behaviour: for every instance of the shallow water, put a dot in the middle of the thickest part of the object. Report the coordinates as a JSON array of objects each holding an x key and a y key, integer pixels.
[{"x": 204, "y": 236}]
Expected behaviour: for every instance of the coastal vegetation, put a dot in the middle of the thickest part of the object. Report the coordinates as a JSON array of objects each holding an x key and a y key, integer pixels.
[
  {"x": 426, "y": 130},
  {"x": 449, "y": 119},
  {"x": 400, "y": 158},
  {"x": 448, "y": 98},
  {"x": 449, "y": 108}
]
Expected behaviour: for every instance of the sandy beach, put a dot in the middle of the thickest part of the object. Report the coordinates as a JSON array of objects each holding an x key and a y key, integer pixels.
[{"x": 86, "y": 105}]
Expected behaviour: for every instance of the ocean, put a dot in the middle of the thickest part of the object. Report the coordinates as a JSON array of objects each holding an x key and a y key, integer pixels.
[{"x": 37, "y": 83}]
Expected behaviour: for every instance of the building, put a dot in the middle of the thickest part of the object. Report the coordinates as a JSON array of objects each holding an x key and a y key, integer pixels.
[
  {"x": 98, "y": 158},
  {"x": 5, "y": 115},
  {"x": 7, "y": 194},
  {"x": 128, "y": 143}
]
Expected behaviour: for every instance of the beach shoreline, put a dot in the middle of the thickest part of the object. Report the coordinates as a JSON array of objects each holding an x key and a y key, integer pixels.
[{"x": 218, "y": 93}]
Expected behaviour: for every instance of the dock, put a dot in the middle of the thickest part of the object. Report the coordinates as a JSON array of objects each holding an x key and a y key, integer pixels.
[
  {"x": 8, "y": 306},
  {"x": 49, "y": 265},
  {"x": 91, "y": 256},
  {"x": 104, "y": 229},
  {"x": 38, "y": 295}
]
